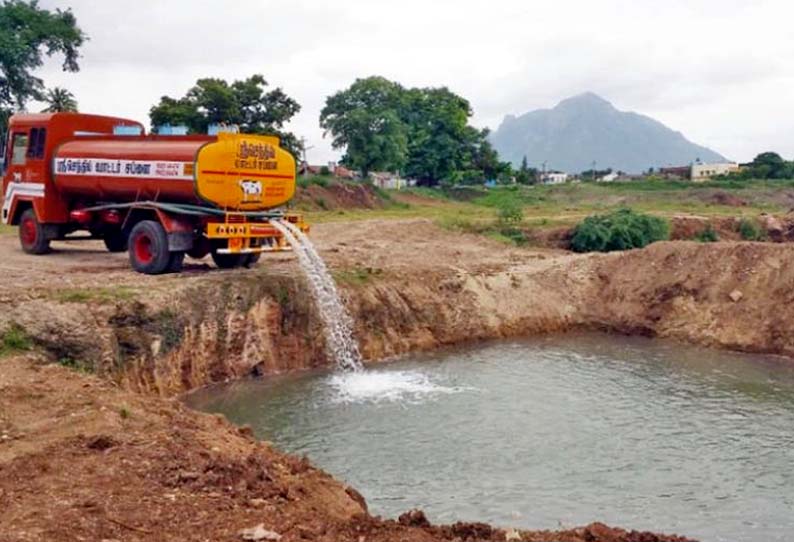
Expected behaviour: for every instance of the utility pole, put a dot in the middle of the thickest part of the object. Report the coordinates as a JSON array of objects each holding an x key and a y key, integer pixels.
[
  {"x": 304, "y": 148},
  {"x": 543, "y": 175},
  {"x": 594, "y": 165}
]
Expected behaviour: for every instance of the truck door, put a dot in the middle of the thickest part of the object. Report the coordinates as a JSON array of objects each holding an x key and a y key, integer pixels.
[{"x": 24, "y": 168}]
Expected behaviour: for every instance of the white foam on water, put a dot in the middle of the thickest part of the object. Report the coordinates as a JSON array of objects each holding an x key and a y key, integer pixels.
[
  {"x": 340, "y": 344},
  {"x": 387, "y": 386}
]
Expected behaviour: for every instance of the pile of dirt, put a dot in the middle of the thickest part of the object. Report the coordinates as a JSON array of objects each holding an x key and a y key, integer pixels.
[{"x": 335, "y": 195}]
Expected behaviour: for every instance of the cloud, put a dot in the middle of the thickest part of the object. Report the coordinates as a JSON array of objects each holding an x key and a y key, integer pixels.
[{"x": 716, "y": 70}]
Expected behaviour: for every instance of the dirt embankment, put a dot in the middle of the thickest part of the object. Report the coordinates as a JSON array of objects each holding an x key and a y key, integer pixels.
[
  {"x": 81, "y": 459},
  {"x": 409, "y": 286}
]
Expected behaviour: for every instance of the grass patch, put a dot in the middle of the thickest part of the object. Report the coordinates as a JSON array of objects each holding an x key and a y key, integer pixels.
[
  {"x": 308, "y": 180},
  {"x": 708, "y": 235},
  {"x": 97, "y": 295},
  {"x": 14, "y": 339},
  {"x": 749, "y": 230},
  {"x": 356, "y": 276},
  {"x": 6, "y": 229},
  {"x": 76, "y": 364}
]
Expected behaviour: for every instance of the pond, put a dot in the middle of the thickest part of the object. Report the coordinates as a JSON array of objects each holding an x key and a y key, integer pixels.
[{"x": 547, "y": 433}]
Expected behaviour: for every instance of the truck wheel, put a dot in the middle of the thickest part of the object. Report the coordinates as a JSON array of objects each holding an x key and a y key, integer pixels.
[
  {"x": 175, "y": 262},
  {"x": 148, "y": 248},
  {"x": 228, "y": 261},
  {"x": 115, "y": 241},
  {"x": 31, "y": 234},
  {"x": 251, "y": 260}
]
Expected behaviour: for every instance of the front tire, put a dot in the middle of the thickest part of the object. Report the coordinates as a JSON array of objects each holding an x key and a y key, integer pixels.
[
  {"x": 31, "y": 234},
  {"x": 148, "y": 248}
]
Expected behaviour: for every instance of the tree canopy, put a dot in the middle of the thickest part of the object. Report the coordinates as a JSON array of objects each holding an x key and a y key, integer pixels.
[
  {"x": 27, "y": 34},
  {"x": 422, "y": 132},
  {"x": 59, "y": 100},
  {"x": 246, "y": 103}
]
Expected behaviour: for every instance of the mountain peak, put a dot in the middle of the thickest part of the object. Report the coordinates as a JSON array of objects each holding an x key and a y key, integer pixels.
[
  {"x": 584, "y": 100},
  {"x": 586, "y": 128}
]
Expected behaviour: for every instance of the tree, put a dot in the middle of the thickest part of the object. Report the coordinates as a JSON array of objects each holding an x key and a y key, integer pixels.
[
  {"x": 245, "y": 103},
  {"x": 27, "y": 33},
  {"x": 60, "y": 100},
  {"x": 439, "y": 141},
  {"x": 770, "y": 165},
  {"x": 526, "y": 174},
  {"x": 365, "y": 121},
  {"x": 423, "y": 132}
]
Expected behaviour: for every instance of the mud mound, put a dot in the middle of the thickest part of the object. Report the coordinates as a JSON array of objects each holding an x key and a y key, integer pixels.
[{"x": 337, "y": 195}]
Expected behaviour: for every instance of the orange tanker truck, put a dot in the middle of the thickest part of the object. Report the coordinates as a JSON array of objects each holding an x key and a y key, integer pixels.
[{"x": 159, "y": 197}]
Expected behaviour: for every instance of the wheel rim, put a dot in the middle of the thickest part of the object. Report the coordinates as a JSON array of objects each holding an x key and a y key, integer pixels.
[
  {"x": 27, "y": 230},
  {"x": 142, "y": 246}
]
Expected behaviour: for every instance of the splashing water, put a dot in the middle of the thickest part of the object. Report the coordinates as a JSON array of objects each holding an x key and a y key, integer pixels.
[
  {"x": 388, "y": 386},
  {"x": 340, "y": 344}
]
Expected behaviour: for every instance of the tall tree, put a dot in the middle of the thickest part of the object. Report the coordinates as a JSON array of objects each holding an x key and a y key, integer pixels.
[
  {"x": 439, "y": 139},
  {"x": 246, "y": 103},
  {"x": 27, "y": 34},
  {"x": 423, "y": 132},
  {"x": 60, "y": 100},
  {"x": 365, "y": 121}
]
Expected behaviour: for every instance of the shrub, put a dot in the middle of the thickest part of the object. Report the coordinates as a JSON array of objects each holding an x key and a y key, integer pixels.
[
  {"x": 325, "y": 171},
  {"x": 620, "y": 230},
  {"x": 14, "y": 339},
  {"x": 749, "y": 230},
  {"x": 709, "y": 235},
  {"x": 510, "y": 212}
]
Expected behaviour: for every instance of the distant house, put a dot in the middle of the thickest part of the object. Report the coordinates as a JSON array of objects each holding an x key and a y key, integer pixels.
[
  {"x": 341, "y": 172},
  {"x": 704, "y": 172},
  {"x": 553, "y": 177},
  {"x": 676, "y": 172},
  {"x": 609, "y": 177},
  {"x": 306, "y": 169},
  {"x": 387, "y": 181}
]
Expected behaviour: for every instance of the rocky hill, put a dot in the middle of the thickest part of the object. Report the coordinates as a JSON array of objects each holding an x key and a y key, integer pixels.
[{"x": 587, "y": 128}]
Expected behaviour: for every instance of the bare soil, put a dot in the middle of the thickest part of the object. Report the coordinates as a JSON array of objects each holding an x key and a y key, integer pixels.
[
  {"x": 81, "y": 459},
  {"x": 90, "y": 458}
]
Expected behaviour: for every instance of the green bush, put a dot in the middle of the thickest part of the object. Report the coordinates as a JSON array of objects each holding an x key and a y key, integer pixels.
[
  {"x": 14, "y": 339},
  {"x": 709, "y": 235},
  {"x": 620, "y": 230},
  {"x": 325, "y": 171},
  {"x": 510, "y": 212},
  {"x": 749, "y": 230}
]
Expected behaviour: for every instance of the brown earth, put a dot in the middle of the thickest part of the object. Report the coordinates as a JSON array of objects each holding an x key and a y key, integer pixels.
[
  {"x": 409, "y": 285},
  {"x": 81, "y": 459},
  {"x": 337, "y": 195},
  {"x": 88, "y": 458}
]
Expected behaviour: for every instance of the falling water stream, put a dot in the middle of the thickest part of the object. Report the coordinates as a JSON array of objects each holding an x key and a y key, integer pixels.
[{"x": 340, "y": 344}]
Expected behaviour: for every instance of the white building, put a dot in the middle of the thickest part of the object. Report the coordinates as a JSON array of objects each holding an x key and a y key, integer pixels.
[
  {"x": 554, "y": 177},
  {"x": 608, "y": 178},
  {"x": 387, "y": 181},
  {"x": 704, "y": 172}
]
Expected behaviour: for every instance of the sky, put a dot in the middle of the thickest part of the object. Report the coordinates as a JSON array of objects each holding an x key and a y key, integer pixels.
[{"x": 719, "y": 71}]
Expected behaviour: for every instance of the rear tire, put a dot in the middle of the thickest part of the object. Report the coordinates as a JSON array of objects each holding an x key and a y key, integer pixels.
[
  {"x": 228, "y": 261},
  {"x": 115, "y": 241},
  {"x": 148, "y": 248},
  {"x": 175, "y": 262},
  {"x": 251, "y": 260},
  {"x": 31, "y": 234}
]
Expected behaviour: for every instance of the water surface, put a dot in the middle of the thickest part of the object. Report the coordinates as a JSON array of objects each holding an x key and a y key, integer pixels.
[{"x": 552, "y": 432}]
